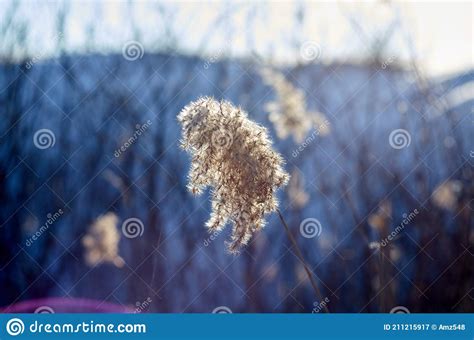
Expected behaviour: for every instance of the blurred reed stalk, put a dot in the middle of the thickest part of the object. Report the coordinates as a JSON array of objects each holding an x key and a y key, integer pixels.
[{"x": 300, "y": 257}]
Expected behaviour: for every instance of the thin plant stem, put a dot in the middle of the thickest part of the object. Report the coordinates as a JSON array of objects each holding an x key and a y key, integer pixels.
[{"x": 300, "y": 257}]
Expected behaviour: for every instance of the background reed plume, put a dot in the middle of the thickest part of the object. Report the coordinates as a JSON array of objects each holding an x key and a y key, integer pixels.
[{"x": 288, "y": 111}]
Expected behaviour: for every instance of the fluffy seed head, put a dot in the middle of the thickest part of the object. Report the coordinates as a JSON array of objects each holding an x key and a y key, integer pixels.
[
  {"x": 288, "y": 112},
  {"x": 446, "y": 195},
  {"x": 101, "y": 242},
  {"x": 234, "y": 156}
]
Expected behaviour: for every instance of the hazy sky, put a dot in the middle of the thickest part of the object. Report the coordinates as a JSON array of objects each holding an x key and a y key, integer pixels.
[
  {"x": 443, "y": 33},
  {"x": 440, "y": 32}
]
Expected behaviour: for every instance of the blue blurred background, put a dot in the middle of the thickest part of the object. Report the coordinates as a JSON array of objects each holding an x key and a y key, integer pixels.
[{"x": 93, "y": 192}]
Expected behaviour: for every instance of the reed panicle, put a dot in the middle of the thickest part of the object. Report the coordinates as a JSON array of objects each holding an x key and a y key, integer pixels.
[{"x": 234, "y": 156}]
